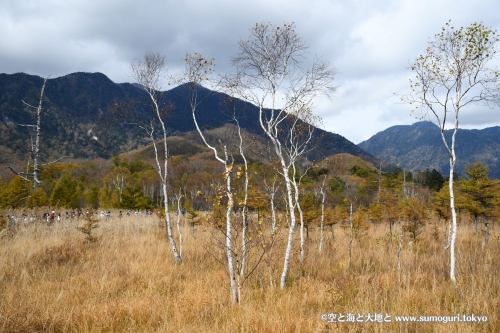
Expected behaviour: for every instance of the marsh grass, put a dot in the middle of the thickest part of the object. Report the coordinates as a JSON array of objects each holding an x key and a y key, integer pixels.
[{"x": 52, "y": 281}]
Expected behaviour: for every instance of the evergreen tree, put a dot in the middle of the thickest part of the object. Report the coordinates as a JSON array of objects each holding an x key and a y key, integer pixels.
[
  {"x": 37, "y": 198},
  {"x": 481, "y": 195},
  {"x": 92, "y": 197},
  {"x": 441, "y": 203},
  {"x": 67, "y": 193},
  {"x": 14, "y": 194}
]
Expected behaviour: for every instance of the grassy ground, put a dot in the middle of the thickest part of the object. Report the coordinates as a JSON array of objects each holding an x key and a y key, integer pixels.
[{"x": 51, "y": 281}]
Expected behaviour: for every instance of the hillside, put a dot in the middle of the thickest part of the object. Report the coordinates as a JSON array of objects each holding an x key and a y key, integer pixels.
[
  {"x": 419, "y": 146},
  {"x": 76, "y": 121}
]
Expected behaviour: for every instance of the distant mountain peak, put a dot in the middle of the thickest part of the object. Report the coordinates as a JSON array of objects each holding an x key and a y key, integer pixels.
[
  {"x": 425, "y": 124},
  {"x": 80, "y": 101},
  {"x": 419, "y": 146}
]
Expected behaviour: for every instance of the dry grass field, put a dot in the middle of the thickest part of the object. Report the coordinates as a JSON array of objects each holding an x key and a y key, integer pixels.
[{"x": 51, "y": 281}]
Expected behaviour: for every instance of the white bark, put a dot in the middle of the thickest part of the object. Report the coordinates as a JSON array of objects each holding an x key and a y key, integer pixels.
[
  {"x": 148, "y": 73},
  {"x": 322, "y": 225},
  {"x": 179, "y": 213},
  {"x": 119, "y": 183},
  {"x": 35, "y": 146},
  {"x": 244, "y": 215},
  {"x": 36, "y": 150},
  {"x": 450, "y": 75},
  {"x": 198, "y": 69},
  {"x": 268, "y": 64},
  {"x": 229, "y": 233},
  {"x": 296, "y": 187},
  {"x": 271, "y": 190}
]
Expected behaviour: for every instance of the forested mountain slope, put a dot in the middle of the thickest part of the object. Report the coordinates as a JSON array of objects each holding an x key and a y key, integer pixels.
[
  {"x": 76, "y": 120},
  {"x": 419, "y": 147}
]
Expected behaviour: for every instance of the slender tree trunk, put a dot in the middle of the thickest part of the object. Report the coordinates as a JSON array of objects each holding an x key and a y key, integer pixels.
[
  {"x": 288, "y": 252},
  {"x": 244, "y": 217},
  {"x": 168, "y": 225},
  {"x": 322, "y": 225},
  {"x": 36, "y": 151},
  {"x": 179, "y": 221},
  {"x": 229, "y": 236},
  {"x": 301, "y": 216},
  {"x": 454, "y": 225},
  {"x": 233, "y": 287},
  {"x": 273, "y": 208},
  {"x": 273, "y": 215},
  {"x": 351, "y": 227}
]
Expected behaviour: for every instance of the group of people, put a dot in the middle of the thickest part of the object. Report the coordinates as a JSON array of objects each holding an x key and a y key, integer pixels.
[{"x": 54, "y": 216}]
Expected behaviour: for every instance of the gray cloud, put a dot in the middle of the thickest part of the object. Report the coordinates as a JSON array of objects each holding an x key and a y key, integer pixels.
[{"x": 370, "y": 43}]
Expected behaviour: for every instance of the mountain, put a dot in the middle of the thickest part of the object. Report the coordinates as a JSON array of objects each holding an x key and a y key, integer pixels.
[
  {"x": 76, "y": 119},
  {"x": 419, "y": 146}
]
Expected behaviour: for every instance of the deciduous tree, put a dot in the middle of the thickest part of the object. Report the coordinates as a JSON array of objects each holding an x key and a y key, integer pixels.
[
  {"x": 33, "y": 172},
  {"x": 271, "y": 75},
  {"x": 453, "y": 73},
  {"x": 149, "y": 73}
]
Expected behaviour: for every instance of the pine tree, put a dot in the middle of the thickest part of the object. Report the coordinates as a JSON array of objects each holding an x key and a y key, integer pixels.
[
  {"x": 67, "y": 193},
  {"x": 481, "y": 195},
  {"x": 14, "y": 194}
]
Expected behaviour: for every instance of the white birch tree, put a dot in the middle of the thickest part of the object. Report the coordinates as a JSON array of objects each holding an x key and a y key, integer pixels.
[
  {"x": 149, "y": 73},
  {"x": 271, "y": 76},
  {"x": 199, "y": 69},
  {"x": 322, "y": 223},
  {"x": 35, "y": 145},
  {"x": 451, "y": 74}
]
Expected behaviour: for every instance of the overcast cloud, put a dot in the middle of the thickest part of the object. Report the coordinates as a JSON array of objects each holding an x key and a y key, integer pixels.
[{"x": 370, "y": 42}]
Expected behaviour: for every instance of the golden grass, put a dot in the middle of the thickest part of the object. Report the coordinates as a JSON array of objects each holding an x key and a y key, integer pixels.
[{"x": 51, "y": 281}]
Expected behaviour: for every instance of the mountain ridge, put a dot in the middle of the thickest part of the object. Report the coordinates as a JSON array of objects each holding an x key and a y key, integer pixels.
[
  {"x": 419, "y": 146},
  {"x": 76, "y": 122}
]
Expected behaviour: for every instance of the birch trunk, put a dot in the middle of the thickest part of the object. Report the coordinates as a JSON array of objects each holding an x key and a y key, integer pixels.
[
  {"x": 244, "y": 216},
  {"x": 148, "y": 72},
  {"x": 36, "y": 151},
  {"x": 179, "y": 222},
  {"x": 168, "y": 225},
  {"x": 192, "y": 89},
  {"x": 229, "y": 238},
  {"x": 454, "y": 226},
  {"x": 322, "y": 225},
  {"x": 288, "y": 252}
]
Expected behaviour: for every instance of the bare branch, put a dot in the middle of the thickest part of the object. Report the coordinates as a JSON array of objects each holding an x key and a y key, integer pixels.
[{"x": 55, "y": 161}]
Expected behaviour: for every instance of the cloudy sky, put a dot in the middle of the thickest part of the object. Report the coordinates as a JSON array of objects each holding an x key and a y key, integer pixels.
[{"x": 370, "y": 43}]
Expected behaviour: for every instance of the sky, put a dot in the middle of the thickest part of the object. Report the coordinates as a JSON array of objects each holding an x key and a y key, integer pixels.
[{"x": 370, "y": 43}]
